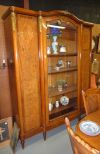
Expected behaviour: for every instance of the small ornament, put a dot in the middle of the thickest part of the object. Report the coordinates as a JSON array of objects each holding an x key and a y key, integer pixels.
[
  {"x": 55, "y": 45},
  {"x": 50, "y": 106},
  {"x": 57, "y": 104},
  {"x": 48, "y": 50}
]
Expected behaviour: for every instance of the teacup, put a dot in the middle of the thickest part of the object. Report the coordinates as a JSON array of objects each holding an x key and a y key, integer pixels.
[{"x": 63, "y": 49}]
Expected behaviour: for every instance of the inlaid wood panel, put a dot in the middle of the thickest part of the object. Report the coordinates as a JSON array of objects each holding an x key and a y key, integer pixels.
[
  {"x": 29, "y": 67},
  {"x": 86, "y": 38},
  {"x": 11, "y": 64},
  {"x": 86, "y": 59}
]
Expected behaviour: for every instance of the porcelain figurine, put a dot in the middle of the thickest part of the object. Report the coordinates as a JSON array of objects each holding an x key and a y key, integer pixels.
[{"x": 55, "y": 45}]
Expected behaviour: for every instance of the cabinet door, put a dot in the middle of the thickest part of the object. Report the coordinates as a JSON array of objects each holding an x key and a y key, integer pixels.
[
  {"x": 61, "y": 67},
  {"x": 28, "y": 59}
]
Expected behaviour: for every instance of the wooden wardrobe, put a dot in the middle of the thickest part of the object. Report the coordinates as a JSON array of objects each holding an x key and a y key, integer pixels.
[{"x": 33, "y": 61}]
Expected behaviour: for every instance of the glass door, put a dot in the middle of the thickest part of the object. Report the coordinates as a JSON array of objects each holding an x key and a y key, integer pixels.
[{"x": 62, "y": 68}]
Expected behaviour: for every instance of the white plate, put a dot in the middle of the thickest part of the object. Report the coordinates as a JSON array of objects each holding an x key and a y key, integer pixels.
[
  {"x": 64, "y": 100},
  {"x": 90, "y": 128}
]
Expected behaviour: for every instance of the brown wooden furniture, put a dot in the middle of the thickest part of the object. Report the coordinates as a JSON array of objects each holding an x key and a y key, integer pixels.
[
  {"x": 91, "y": 98},
  {"x": 93, "y": 81},
  {"x": 78, "y": 145},
  {"x": 24, "y": 69},
  {"x": 93, "y": 141},
  {"x": 47, "y": 53}
]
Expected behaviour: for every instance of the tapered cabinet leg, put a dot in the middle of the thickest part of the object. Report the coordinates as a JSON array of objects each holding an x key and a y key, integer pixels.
[
  {"x": 22, "y": 143},
  {"x": 44, "y": 135}
]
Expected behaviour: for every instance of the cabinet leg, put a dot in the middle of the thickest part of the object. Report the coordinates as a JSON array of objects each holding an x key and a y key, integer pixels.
[
  {"x": 22, "y": 143},
  {"x": 44, "y": 135}
]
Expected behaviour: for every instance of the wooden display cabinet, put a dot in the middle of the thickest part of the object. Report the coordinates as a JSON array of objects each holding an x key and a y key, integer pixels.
[
  {"x": 49, "y": 65},
  {"x": 64, "y": 47},
  {"x": 61, "y": 69}
]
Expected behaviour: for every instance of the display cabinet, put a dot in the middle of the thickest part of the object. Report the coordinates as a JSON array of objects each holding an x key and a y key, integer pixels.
[
  {"x": 64, "y": 67},
  {"x": 47, "y": 57}
]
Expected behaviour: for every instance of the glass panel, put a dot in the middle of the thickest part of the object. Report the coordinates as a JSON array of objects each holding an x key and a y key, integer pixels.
[{"x": 62, "y": 68}]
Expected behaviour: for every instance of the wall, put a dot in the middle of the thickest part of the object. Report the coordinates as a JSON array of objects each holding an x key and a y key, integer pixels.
[
  {"x": 5, "y": 98},
  {"x": 88, "y": 10},
  {"x": 5, "y": 101},
  {"x": 12, "y": 2}
]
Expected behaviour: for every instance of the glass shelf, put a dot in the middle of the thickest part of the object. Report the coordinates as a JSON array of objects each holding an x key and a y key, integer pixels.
[
  {"x": 62, "y": 54},
  {"x": 65, "y": 69},
  {"x": 63, "y": 110},
  {"x": 54, "y": 91},
  {"x": 62, "y": 68}
]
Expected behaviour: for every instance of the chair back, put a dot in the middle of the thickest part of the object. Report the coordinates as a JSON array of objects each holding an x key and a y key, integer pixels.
[
  {"x": 91, "y": 99},
  {"x": 78, "y": 145},
  {"x": 93, "y": 81}
]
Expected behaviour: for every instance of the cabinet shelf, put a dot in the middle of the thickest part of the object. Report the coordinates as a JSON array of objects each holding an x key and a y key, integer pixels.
[
  {"x": 54, "y": 91},
  {"x": 65, "y": 69},
  {"x": 62, "y": 110},
  {"x": 62, "y": 54}
]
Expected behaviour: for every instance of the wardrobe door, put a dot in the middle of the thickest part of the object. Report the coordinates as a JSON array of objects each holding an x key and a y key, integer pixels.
[{"x": 28, "y": 59}]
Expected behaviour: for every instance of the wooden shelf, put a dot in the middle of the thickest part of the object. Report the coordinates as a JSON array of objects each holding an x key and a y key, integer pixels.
[
  {"x": 62, "y": 110},
  {"x": 54, "y": 91},
  {"x": 62, "y": 54},
  {"x": 65, "y": 69}
]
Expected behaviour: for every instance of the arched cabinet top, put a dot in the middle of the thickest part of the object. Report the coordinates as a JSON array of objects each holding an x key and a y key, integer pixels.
[{"x": 45, "y": 14}]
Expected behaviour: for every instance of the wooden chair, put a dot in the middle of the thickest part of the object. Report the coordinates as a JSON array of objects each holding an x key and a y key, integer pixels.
[
  {"x": 78, "y": 145},
  {"x": 93, "y": 81},
  {"x": 91, "y": 99}
]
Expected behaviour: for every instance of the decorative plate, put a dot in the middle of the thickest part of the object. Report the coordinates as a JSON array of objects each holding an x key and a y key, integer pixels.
[
  {"x": 90, "y": 128},
  {"x": 64, "y": 100}
]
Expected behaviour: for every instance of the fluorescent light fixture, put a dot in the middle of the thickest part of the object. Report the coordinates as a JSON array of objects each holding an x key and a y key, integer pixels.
[{"x": 56, "y": 26}]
